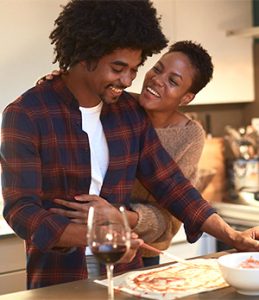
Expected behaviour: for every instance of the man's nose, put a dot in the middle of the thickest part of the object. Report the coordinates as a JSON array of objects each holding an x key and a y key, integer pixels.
[{"x": 126, "y": 79}]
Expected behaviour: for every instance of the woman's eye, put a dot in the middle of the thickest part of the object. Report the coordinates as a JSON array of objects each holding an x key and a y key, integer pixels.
[
  {"x": 173, "y": 82},
  {"x": 156, "y": 69}
]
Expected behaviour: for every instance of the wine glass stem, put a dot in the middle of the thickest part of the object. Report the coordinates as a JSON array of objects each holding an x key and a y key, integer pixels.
[{"x": 109, "y": 269}]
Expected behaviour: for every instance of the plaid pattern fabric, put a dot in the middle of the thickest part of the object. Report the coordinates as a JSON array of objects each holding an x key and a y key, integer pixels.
[{"x": 45, "y": 155}]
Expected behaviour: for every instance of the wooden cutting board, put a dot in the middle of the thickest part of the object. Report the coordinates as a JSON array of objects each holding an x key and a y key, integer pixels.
[{"x": 213, "y": 158}]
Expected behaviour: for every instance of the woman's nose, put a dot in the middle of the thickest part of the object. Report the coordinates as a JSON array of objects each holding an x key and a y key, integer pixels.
[{"x": 158, "y": 79}]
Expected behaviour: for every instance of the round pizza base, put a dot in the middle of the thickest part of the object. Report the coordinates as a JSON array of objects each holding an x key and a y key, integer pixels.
[{"x": 178, "y": 279}]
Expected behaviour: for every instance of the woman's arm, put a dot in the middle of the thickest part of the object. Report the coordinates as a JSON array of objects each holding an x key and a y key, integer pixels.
[{"x": 157, "y": 226}]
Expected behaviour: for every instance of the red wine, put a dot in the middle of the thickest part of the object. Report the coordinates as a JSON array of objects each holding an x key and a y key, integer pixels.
[{"x": 107, "y": 253}]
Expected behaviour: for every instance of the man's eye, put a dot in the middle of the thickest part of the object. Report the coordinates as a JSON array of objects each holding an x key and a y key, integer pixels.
[{"x": 116, "y": 70}]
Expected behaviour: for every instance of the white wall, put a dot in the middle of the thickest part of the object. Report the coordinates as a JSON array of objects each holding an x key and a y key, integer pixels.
[
  {"x": 206, "y": 22},
  {"x": 25, "y": 53}
]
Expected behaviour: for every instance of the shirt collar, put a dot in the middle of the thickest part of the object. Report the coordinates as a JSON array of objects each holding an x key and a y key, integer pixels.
[{"x": 63, "y": 91}]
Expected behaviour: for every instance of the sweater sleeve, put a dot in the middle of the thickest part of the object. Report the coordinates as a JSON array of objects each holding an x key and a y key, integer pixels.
[
  {"x": 151, "y": 222},
  {"x": 156, "y": 225}
]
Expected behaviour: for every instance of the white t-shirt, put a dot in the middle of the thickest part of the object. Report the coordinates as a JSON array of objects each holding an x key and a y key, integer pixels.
[{"x": 99, "y": 152}]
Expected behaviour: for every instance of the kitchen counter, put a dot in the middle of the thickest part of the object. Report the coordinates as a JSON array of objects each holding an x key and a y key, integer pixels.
[{"x": 86, "y": 289}]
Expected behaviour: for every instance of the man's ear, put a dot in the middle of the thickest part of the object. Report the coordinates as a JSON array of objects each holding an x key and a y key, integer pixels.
[
  {"x": 89, "y": 65},
  {"x": 83, "y": 63},
  {"x": 187, "y": 98}
]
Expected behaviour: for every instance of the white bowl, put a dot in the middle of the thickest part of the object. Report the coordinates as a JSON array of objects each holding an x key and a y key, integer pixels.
[{"x": 245, "y": 281}]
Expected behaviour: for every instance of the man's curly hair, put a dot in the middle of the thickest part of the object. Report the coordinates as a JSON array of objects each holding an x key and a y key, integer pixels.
[
  {"x": 201, "y": 61},
  {"x": 87, "y": 30}
]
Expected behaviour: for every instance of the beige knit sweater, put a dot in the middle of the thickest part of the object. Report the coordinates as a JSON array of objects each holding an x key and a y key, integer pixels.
[{"x": 156, "y": 226}]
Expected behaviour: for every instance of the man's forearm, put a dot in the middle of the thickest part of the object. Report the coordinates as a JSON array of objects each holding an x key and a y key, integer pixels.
[
  {"x": 218, "y": 228},
  {"x": 73, "y": 236}
]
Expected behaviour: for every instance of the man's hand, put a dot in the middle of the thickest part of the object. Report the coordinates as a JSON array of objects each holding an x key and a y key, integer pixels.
[
  {"x": 248, "y": 240},
  {"x": 80, "y": 208},
  {"x": 241, "y": 240}
]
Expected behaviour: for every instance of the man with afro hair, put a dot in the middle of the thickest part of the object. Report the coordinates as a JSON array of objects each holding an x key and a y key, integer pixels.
[{"x": 99, "y": 45}]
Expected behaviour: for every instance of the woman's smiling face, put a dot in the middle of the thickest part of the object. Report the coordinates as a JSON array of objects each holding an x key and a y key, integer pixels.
[{"x": 167, "y": 84}]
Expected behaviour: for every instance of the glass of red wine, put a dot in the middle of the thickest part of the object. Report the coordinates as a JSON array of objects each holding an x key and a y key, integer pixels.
[{"x": 108, "y": 237}]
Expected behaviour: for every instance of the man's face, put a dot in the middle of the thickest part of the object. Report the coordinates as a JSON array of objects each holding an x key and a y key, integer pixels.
[{"x": 113, "y": 73}]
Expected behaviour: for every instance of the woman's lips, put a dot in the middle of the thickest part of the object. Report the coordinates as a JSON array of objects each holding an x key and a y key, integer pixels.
[{"x": 152, "y": 91}]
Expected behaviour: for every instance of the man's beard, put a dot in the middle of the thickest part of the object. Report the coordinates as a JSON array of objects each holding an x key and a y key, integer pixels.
[{"x": 110, "y": 101}]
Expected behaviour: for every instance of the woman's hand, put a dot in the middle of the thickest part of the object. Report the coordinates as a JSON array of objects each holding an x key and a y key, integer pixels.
[
  {"x": 135, "y": 243},
  {"x": 49, "y": 76}
]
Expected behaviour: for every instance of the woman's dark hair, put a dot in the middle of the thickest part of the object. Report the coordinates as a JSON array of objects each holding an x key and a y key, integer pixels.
[
  {"x": 201, "y": 61},
  {"x": 87, "y": 30}
]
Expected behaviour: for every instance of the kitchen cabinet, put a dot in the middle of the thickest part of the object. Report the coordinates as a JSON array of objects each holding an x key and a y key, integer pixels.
[
  {"x": 207, "y": 22},
  {"x": 12, "y": 266}
]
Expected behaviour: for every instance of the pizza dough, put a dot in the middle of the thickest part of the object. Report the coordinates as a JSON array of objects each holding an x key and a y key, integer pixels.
[{"x": 178, "y": 279}]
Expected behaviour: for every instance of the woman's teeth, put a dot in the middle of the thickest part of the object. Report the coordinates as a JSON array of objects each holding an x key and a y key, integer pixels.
[{"x": 150, "y": 90}]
